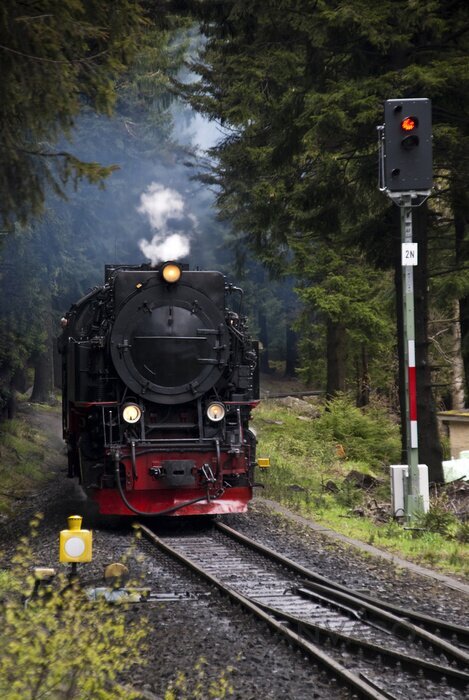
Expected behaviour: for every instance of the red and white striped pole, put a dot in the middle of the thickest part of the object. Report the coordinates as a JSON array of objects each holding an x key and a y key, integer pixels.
[
  {"x": 414, "y": 499},
  {"x": 412, "y": 383}
]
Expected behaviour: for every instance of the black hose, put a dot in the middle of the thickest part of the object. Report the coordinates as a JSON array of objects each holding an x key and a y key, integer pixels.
[
  {"x": 134, "y": 462},
  {"x": 161, "y": 512}
]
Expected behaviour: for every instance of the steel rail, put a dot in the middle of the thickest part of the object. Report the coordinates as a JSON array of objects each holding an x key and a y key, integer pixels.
[
  {"x": 372, "y": 650},
  {"x": 361, "y": 686},
  {"x": 367, "y": 613},
  {"x": 440, "y": 628}
]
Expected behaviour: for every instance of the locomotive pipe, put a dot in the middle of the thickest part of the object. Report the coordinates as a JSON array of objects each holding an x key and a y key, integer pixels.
[
  {"x": 231, "y": 288},
  {"x": 133, "y": 457},
  {"x": 166, "y": 511}
]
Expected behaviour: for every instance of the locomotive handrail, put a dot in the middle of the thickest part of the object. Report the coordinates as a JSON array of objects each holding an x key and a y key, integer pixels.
[{"x": 168, "y": 337}]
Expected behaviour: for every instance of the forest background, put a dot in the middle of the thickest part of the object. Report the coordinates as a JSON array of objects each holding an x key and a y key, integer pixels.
[{"x": 107, "y": 111}]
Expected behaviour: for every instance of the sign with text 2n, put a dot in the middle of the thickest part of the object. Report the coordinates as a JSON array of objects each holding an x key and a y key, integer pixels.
[
  {"x": 408, "y": 145},
  {"x": 409, "y": 254}
]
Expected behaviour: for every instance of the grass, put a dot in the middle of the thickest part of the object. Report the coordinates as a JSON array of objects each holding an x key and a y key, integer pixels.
[
  {"x": 311, "y": 458},
  {"x": 22, "y": 455}
]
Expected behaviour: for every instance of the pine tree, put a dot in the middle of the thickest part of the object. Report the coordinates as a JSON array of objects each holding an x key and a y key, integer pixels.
[
  {"x": 300, "y": 88},
  {"x": 54, "y": 58}
]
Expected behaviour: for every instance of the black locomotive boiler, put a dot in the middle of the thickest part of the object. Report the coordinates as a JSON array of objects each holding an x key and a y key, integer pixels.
[{"x": 159, "y": 380}]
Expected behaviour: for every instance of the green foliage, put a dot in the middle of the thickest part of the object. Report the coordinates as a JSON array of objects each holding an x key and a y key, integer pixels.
[
  {"x": 59, "y": 644},
  {"x": 307, "y": 453},
  {"x": 33, "y": 272},
  {"x": 22, "y": 469},
  {"x": 348, "y": 495},
  {"x": 54, "y": 58},
  {"x": 368, "y": 435},
  {"x": 462, "y": 532},
  {"x": 305, "y": 458},
  {"x": 439, "y": 518},
  {"x": 54, "y": 260}
]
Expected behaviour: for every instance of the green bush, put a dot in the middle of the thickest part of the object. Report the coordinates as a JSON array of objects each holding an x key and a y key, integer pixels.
[
  {"x": 462, "y": 533},
  {"x": 59, "y": 644},
  {"x": 367, "y": 435},
  {"x": 439, "y": 517}
]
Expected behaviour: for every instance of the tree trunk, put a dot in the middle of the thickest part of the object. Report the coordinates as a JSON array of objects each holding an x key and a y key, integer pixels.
[
  {"x": 264, "y": 339},
  {"x": 363, "y": 379},
  {"x": 457, "y": 369},
  {"x": 464, "y": 325},
  {"x": 460, "y": 250},
  {"x": 12, "y": 404},
  {"x": 336, "y": 357},
  {"x": 42, "y": 388},
  {"x": 292, "y": 352},
  {"x": 430, "y": 452}
]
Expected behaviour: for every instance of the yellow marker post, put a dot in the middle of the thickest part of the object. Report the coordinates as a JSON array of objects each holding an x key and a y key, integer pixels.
[
  {"x": 75, "y": 543},
  {"x": 263, "y": 462}
]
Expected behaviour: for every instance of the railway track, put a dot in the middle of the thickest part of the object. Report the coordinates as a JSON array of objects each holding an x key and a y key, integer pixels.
[{"x": 376, "y": 649}]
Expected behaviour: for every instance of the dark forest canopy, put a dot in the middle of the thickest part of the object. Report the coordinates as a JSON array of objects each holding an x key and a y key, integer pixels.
[
  {"x": 55, "y": 59},
  {"x": 65, "y": 68},
  {"x": 300, "y": 87}
]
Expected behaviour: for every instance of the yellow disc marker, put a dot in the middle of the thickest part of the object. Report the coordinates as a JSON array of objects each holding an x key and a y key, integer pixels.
[{"x": 75, "y": 543}]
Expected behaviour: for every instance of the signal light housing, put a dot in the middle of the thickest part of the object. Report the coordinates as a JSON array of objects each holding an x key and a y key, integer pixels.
[{"x": 407, "y": 145}]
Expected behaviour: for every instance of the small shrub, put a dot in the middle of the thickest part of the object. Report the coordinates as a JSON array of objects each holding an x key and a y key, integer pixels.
[
  {"x": 462, "y": 532},
  {"x": 439, "y": 518},
  {"x": 349, "y": 495},
  {"x": 367, "y": 435},
  {"x": 59, "y": 644},
  {"x": 392, "y": 530}
]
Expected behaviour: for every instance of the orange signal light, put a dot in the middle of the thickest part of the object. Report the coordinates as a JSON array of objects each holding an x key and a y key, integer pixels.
[{"x": 409, "y": 123}]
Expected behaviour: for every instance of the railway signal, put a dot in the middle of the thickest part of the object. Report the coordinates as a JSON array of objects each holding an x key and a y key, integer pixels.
[
  {"x": 405, "y": 175},
  {"x": 407, "y": 146}
]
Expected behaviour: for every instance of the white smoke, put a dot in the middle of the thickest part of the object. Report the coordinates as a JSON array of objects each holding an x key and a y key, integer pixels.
[
  {"x": 160, "y": 248},
  {"x": 166, "y": 212}
]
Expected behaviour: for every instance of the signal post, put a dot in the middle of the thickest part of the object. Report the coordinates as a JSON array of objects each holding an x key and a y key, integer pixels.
[{"x": 405, "y": 176}]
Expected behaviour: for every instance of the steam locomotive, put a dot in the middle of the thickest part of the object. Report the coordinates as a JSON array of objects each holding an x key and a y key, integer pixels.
[{"x": 159, "y": 379}]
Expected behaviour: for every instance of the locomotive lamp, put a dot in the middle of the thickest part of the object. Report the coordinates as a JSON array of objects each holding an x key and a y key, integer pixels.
[
  {"x": 216, "y": 412},
  {"x": 131, "y": 413},
  {"x": 171, "y": 273},
  {"x": 75, "y": 543}
]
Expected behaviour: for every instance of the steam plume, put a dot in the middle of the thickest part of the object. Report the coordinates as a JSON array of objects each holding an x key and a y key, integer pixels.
[{"x": 166, "y": 211}]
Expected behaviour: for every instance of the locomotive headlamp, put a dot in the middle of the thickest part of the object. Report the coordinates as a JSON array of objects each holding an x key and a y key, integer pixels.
[
  {"x": 216, "y": 411},
  {"x": 131, "y": 413},
  {"x": 171, "y": 273}
]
